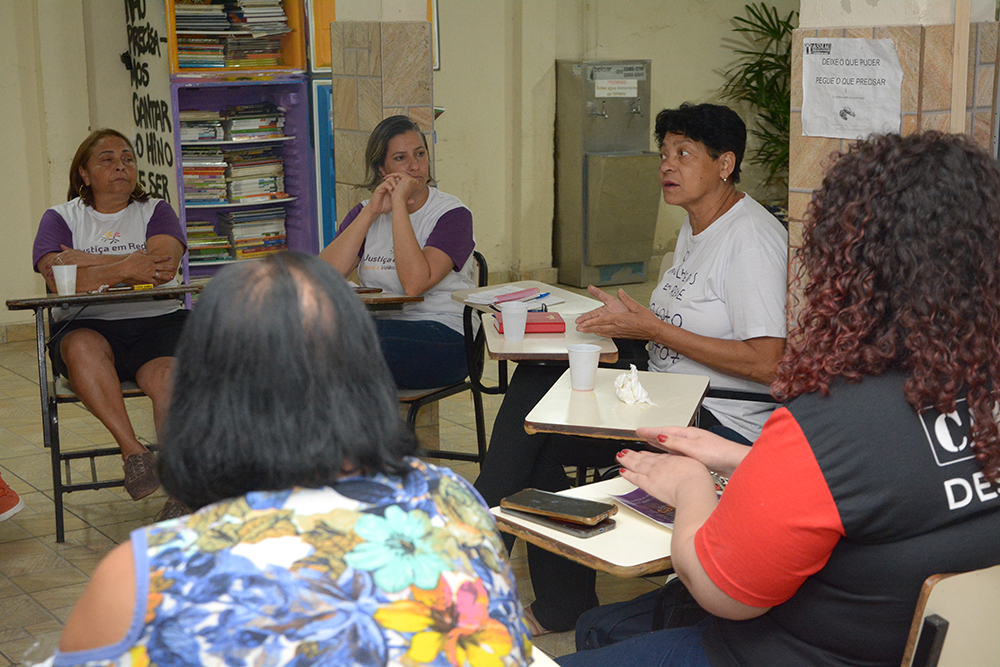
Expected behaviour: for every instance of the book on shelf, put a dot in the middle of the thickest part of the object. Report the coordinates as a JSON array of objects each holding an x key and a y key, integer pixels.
[
  {"x": 203, "y": 175},
  {"x": 197, "y": 125},
  {"x": 253, "y": 121},
  {"x": 205, "y": 244}
]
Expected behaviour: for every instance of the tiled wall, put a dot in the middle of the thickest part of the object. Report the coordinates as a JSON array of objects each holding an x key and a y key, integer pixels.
[
  {"x": 925, "y": 53},
  {"x": 378, "y": 70}
]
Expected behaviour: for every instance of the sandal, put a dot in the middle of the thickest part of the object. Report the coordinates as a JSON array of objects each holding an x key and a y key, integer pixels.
[
  {"x": 140, "y": 480},
  {"x": 534, "y": 626},
  {"x": 172, "y": 510}
]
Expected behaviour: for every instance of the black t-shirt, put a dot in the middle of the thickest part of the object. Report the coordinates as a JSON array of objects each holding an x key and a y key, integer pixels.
[{"x": 908, "y": 498}]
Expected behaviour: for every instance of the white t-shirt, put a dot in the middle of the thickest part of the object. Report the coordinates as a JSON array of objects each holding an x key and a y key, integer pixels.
[
  {"x": 377, "y": 267},
  {"x": 79, "y": 226},
  {"x": 728, "y": 282}
]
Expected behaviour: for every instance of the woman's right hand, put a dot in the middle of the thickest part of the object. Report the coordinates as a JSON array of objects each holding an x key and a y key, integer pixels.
[
  {"x": 381, "y": 201},
  {"x": 711, "y": 450},
  {"x": 620, "y": 317}
]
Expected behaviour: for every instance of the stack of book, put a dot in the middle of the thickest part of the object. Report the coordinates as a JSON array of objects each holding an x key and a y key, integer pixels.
[
  {"x": 254, "y": 121},
  {"x": 204, "y": 174},
  {"x": 255, "y": 233},
  {"x": 195, "y": 52},
  {"x": 201, "y": 126},
  {"x": 254, "y": 174},
  {"x": 200, "y": 16},
  {"x": 253, "y": 51},
  {"x": 206, "y": 245},
  {"x": 259, "y": 17}
]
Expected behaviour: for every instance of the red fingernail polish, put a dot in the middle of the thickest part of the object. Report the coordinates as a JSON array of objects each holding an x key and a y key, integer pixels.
[
  {"x": 620, "y": 454},
  {"x": 661, "y": 438},
  {"x": 621, "y": 471}
]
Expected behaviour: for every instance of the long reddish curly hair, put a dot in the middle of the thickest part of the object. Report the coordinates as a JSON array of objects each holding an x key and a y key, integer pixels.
[{"x": 900, "y": 270}]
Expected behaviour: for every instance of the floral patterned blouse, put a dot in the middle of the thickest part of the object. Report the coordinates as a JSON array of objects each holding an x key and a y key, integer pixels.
[{"x": 378, "y": 571}]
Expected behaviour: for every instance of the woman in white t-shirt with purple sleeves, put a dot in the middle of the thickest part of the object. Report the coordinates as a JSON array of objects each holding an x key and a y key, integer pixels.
[
  {"x": 115, "y": 234},
  {"x": 410, "y": 238}
]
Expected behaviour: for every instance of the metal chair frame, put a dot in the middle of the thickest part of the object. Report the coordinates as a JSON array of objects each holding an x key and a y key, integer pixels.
[{"x": 475, "y": 347}]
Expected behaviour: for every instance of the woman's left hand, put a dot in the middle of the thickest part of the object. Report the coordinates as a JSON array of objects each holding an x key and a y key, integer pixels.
[
  {"x": 664, "y": 476},
  {"x": 405, "y": 189},
  {"x": 623, "y": 317}
]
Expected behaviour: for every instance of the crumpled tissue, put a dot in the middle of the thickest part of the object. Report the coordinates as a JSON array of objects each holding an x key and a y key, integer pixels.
[{"x": 628, "y": 388}]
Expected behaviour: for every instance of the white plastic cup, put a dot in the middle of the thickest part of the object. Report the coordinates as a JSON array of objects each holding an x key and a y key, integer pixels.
[
  {"x": 515, "y": 317},
  {"x": 65, "y": 275},
  {"x": 583, "y": 360}
]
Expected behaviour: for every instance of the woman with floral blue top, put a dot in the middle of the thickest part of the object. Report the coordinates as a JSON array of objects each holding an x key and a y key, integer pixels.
[{"x": 319, "y": 539}]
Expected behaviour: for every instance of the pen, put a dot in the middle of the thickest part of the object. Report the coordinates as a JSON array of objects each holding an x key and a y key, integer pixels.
[{"x": 540, "y": 296}]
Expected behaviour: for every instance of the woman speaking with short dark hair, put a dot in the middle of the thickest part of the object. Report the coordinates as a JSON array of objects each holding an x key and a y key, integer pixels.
[{"x": 882, "y": 468}]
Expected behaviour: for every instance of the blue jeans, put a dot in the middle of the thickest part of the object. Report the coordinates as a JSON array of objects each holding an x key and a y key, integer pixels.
[
  {"x": 679, "y": 647},
  {"x": 422, "y": 354}
]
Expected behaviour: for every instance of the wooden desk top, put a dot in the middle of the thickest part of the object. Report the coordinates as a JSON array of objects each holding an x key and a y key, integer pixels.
[
  {"x": 87, "y": 298},
  {"x": 386, "y": 301},
  {"x": 542, "y": 347},
  {"x": 636, "y": 547},
  {"x": 600, "y": 413},
  {"x": 573, "y": 302}
]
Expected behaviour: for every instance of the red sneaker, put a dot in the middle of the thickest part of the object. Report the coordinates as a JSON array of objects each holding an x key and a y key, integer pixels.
[{"x": 10, "y": 502}]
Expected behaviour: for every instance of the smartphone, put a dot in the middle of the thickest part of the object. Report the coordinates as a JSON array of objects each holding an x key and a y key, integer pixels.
[
  {"x": 560, "y": 507},
  {"x": 575, "y": 529}
]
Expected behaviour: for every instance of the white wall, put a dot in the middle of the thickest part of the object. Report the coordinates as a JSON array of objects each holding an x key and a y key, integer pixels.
[
  {"x": 852, "y": 13},
  {"x": 497, "y": 84},
  {"x": 43, "y": 103},
  {"x": 63, "y": 78}
]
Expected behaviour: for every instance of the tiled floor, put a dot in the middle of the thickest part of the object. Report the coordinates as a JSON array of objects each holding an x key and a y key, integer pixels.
[{"x": 41, "y": 580}]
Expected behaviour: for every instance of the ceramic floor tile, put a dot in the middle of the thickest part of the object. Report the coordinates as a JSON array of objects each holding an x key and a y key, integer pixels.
[
  {"x": 8, "y": 588},
  {"x": 22, "y": 611},
  {"x": 32, "y": 648},
  {"x": 59, "y": 597},
  {"x": 49, "y": 579}
]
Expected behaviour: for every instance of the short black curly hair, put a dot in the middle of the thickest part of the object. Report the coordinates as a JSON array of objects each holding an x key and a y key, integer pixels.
[{"x": 718, "y": 127}]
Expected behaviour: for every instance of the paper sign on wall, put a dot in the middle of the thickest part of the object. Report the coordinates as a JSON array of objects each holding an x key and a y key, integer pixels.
[
  {"x": 616, "y": 88},
  {"x": 850, "y": 87}
]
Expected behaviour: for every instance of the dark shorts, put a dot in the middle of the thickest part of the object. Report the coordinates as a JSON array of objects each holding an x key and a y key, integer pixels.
[{"x": 133, "y": 342}]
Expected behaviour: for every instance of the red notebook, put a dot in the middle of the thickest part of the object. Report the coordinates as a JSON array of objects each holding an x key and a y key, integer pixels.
[{"x": 538, "y": 322}]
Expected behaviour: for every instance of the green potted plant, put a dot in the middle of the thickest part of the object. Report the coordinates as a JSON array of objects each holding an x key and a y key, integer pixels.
[{"x": 761, "y": 80}]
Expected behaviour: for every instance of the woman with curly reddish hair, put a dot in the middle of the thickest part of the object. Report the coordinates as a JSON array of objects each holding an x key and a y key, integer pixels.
[{"x": 882, "y": 468}]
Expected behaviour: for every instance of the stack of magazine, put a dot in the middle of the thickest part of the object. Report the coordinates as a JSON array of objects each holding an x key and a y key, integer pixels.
[
  {"x": 205, "y": 245},
  {"x": 204, "y": 172},
  {"x": 259, "y": 17},
  {"x": 255, "y": 233},
  {"x": 199, "y": 16},
  {"x": 197, "y": 125},
  {"x": 248, "y": 122},
  {"x": 254, "y": 174}
]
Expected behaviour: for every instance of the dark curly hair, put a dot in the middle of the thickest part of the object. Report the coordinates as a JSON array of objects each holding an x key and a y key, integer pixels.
[{"x": 900, "y": 264}]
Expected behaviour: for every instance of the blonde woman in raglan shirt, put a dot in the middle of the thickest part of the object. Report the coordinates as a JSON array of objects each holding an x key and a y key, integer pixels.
[
  {"x": 115, "y": 234},
  {"x": 410, "y": 238}
]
